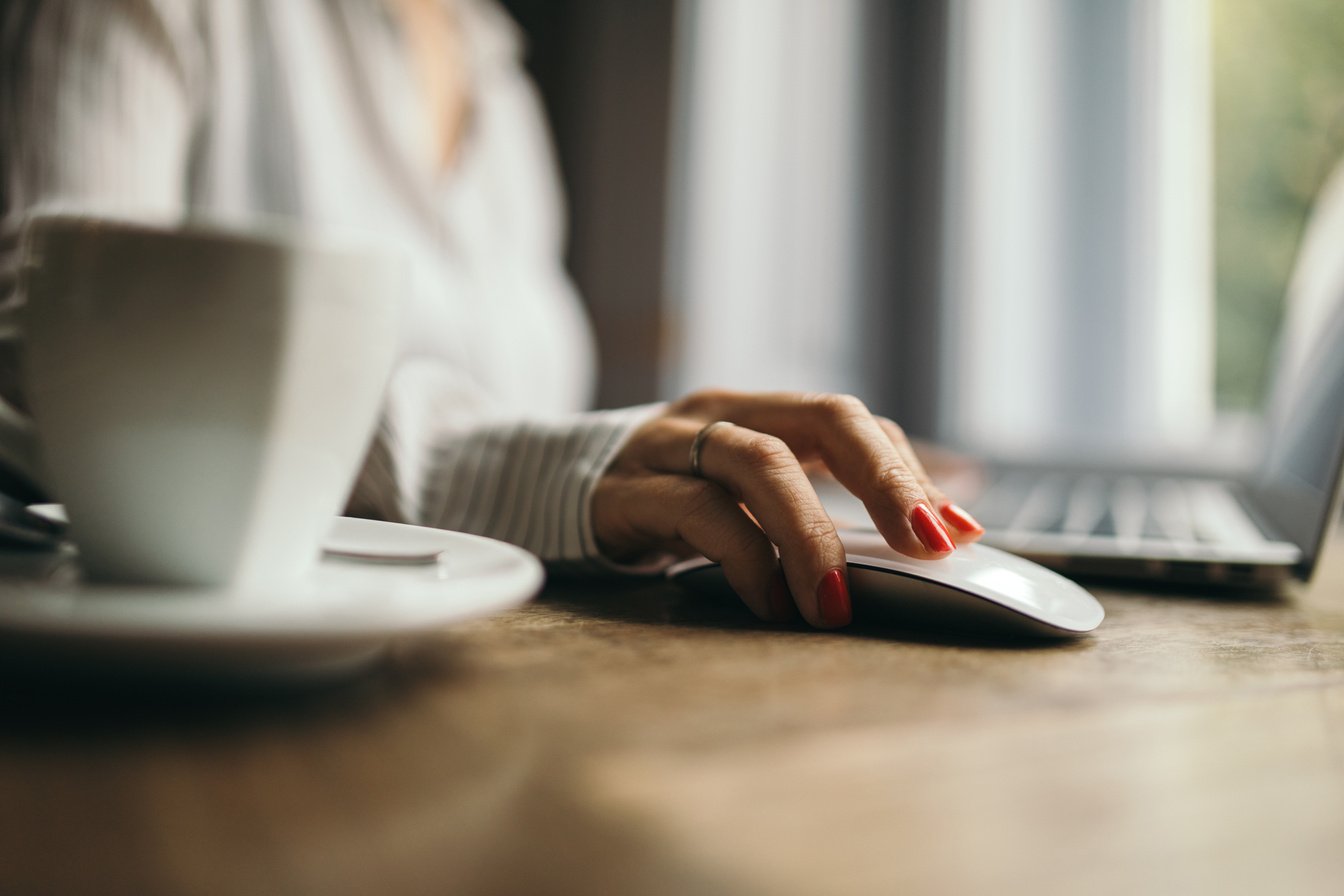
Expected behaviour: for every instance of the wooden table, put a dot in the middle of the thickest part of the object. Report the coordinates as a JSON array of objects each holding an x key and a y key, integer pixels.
[{"x": 619, "y": 739}]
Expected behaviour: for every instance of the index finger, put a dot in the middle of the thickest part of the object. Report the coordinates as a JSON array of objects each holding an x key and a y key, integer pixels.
[
  {"x": 957, "y": 520},
  {"x": 849, "y": 439}
]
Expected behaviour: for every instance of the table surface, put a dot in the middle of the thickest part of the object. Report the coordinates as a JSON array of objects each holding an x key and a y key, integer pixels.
[{"x": 639, "y": 739}]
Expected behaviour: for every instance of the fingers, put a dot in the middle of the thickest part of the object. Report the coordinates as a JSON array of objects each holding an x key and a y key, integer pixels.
[
  {"x": 859, "y": 452},
  {"x": 755, "y": 511},
  {"x": 635, "y": 511},
  {"x": 760, "y": 472},
  {"x": 959, "y": 523}
]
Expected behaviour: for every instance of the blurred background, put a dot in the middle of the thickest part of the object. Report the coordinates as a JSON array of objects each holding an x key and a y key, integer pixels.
[{"x": 1033, "y": 227}]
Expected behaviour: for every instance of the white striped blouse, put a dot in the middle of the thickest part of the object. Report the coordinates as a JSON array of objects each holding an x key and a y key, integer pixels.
[{"x": 308, "y": 110}]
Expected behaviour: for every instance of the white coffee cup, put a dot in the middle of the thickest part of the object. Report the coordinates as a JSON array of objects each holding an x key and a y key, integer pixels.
[{"x": 203, "y": 396}]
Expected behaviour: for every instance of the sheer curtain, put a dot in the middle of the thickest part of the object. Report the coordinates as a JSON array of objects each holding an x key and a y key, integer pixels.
[
  {"x": 762, "y": 280},
  {"x": 1077, "y": 239},
  {"x": 1069, "y": 234}
]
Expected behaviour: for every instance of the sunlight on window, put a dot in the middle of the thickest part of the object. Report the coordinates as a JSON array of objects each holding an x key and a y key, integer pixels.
[{"x": 1279, "y": 128}]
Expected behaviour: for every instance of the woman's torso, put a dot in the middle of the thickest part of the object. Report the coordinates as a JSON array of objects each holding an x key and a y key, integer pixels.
[{"x": 311, "y": 110}]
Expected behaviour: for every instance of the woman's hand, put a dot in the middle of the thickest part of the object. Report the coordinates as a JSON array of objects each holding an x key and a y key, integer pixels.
[{"x": 752, "y": 494}]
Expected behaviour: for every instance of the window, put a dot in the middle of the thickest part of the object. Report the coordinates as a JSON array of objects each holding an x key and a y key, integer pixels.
[
  {"x": 1079, "y": 225},
  {"x": 1279, "y": 129},
  {"x": 763, "y": 258},
  {"x": 1120, "y": 188}
]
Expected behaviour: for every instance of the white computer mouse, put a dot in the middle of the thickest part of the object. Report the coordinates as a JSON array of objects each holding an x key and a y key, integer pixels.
[{"x": 975, "y": 589}]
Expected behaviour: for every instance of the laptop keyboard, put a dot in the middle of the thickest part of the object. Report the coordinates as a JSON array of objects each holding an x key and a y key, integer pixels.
[
  {"x": 1128, "y": 509},
  {"x": 1159, "y": 519}
]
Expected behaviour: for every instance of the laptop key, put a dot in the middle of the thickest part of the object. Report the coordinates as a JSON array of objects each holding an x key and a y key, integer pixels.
[
  {"x": 1105, "y": 527},
  {"x": 1171, "y": 511},
  {"x": 996, "y": 508},
  {"x": 1129, "y": 506},
  {"x": 1044, "y": 506},
  {"x": 1086, "y": 505},
  {"x": 1219, "y": 518}
]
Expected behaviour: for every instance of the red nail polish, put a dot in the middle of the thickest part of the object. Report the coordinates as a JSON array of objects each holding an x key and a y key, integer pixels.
[
  {"x": 833, "y": 598},
  {"x": 780, "y": 600},
  {"x": 930, "y": 531},
  {"x": 958, "y": 517}
]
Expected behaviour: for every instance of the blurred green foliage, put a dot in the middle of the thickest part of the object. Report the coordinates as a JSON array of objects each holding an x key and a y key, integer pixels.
[{"x": 1278, "y": 129}]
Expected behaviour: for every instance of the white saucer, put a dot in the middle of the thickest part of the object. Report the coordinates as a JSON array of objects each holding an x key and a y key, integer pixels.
[{"x": 342, "y": 614}]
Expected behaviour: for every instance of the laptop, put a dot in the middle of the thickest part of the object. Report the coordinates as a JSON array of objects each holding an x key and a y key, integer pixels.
[{"x": 1257, "y": 528}]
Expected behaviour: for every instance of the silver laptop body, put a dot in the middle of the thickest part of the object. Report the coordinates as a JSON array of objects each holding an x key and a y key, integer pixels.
[
  {"x": 1259, "y": 528},
  {"x": 1256, "y": 529}
]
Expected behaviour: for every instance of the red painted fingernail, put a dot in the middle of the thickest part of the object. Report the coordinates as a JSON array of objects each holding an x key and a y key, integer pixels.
[
  {"x": 780, "y": 600},
  {"x": 958, "y": 517},
  {"x": 833, "y": 599},
  {"x": 930, "y": 531}
]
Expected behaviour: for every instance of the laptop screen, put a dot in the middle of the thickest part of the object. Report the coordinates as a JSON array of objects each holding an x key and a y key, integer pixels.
[{"x": 1300, "y": 480}]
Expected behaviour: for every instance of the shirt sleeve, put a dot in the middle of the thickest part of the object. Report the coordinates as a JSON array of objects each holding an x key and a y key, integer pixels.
[
  {"x": 441, "y": 458},
  {"x": 96, "y": 111},
  {"x": 98, "y": 102}
]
